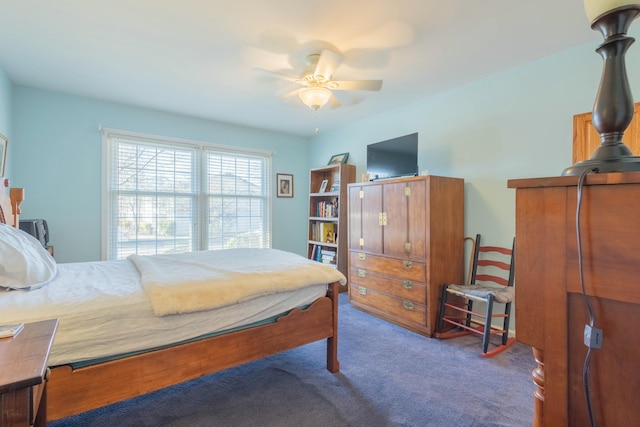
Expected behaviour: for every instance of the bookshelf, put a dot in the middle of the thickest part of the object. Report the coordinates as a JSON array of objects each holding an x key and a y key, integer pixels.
[{"x": 328, "y": 234}]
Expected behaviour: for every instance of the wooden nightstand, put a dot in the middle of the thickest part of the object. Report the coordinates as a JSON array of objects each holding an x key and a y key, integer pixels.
[{"x": 23, "y": 375}]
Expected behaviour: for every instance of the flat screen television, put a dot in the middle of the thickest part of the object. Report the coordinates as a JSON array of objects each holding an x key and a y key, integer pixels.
[{"x": 393, "y": 158}]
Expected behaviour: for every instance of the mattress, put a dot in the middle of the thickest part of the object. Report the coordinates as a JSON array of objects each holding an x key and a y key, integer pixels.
[{"x": 103, "y": 311}]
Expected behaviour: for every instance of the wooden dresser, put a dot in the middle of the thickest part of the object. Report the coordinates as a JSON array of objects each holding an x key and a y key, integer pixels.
[
  {"x": 405, "y": 241},
  {"x": 550, "y": 309}
]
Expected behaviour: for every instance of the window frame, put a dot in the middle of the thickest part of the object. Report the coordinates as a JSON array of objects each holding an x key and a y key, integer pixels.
[{"x": 200, "y": 215}]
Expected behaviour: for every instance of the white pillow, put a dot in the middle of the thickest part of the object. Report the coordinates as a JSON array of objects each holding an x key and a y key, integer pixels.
[{"x": 24, "y": 263}]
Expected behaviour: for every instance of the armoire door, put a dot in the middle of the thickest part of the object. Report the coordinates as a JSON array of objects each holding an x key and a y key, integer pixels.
[
  {"x": 405, "y": 228},
  {"x": 365, "y": 214}
]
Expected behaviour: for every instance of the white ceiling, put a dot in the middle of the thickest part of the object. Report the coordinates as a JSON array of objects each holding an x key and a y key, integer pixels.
[{"x": 195, "y": 57}]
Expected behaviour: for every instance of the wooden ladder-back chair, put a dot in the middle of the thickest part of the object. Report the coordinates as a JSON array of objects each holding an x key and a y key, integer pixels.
[{"x": 490, "y": 281}]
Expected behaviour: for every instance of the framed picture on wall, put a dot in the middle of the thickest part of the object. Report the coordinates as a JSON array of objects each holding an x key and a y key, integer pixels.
[
  {"x": 4, "y": 142},
  {"x": 284, "y": 183}
]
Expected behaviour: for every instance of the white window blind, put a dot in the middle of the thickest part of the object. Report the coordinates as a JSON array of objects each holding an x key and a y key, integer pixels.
[{"x": 169, "y": 196}]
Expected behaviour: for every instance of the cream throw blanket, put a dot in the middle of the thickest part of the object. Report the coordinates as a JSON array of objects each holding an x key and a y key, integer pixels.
[{"x": 196, "y": 281}]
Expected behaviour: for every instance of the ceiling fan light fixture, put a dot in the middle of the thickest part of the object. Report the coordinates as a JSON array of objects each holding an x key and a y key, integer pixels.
[{"x": 315, "y": 96}]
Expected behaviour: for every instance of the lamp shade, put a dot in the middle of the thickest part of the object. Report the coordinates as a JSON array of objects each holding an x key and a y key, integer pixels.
[
  {"x": 315, "y": 96},
  {"x": 595, "y": 8}
]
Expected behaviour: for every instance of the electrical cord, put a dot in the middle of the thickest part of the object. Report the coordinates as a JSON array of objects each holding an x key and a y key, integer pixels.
[{"x": 587, "y": 361}]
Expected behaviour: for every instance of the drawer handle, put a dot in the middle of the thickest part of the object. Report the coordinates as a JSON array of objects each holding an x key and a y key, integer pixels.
[
  {"x": 407, "y": 284},
  {"x": 361, "y": 256},
  {"x": 362, "y": 290},
  {"x": 408, "y": 305},
  {"x": 408, "y": 264},
  {"x": 361, "y": 273}
]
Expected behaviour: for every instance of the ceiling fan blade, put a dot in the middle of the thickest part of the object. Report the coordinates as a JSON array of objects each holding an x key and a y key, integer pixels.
[
  {"x": 374, "y": 85},
  {"x": 278, "y": 75},
  {"x": 327, "y": 63},
  {"x": 290, "y": 94},
  {"x": 334, "y": 103}
]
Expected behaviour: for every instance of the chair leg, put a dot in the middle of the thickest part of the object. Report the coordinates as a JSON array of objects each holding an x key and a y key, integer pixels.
[
  {"x": 443, "y": 300},
  {"x": 506, "y": 341},
  {"x": 469, "y": 310},
  {"x": 505, "y": 326},
  {"x": 456, "y": 329},
  {"x": 487, "y": 325}
]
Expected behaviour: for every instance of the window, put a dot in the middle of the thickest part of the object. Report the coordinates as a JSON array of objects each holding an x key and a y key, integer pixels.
[{"x": 166, "y": 196}]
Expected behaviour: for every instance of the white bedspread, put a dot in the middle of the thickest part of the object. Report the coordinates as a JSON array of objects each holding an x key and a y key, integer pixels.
[
  {"x": 196, "y": 281},
  {"x": 103, "y": 311}
]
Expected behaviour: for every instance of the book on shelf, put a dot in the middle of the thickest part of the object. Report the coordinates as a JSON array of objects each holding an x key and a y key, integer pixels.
[
  {"x": 330, "y": 263},
  {"x": 327, "y": 256},
  {"x": 327, "y": 232},
  {"x": 8, "y": 331},
  {"x": 327, "y": 209},
  {"x": 321, "y": 231},
  {"x": 324, "y": 255}
]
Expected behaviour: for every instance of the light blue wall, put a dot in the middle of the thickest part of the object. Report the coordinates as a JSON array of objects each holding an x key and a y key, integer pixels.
[
  {"x": 518, "y": 124},
  {"x": 5, "y": 110},
  {"x": 57, "y": 159},
  {"x": 514, "y": 125}
]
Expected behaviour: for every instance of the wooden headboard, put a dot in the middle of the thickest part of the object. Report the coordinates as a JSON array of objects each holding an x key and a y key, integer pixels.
[{"x": 10, "y": 203}]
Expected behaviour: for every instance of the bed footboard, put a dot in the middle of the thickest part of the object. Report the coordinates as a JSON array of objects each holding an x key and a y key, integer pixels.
[{"x": 72, "y": 391}]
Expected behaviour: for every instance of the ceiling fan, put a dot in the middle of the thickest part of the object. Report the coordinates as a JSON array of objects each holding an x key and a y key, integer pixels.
[{"x": 316, "y": 80}]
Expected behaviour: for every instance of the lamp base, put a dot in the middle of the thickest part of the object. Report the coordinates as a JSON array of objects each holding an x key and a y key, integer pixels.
[
  {"x": 613, "y": 109},
  {"x": 619, "y": 164}
]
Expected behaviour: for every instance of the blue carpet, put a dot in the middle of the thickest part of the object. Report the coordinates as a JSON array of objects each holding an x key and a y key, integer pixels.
[{"x": 389, "y": 377}]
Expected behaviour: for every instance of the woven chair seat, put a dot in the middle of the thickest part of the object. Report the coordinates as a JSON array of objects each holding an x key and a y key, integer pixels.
[{"x": 501, "y": 294}]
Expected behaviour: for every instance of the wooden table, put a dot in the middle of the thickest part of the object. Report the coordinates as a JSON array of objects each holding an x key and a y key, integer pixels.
[
  {"x": 23, "y": 372},
  {"x": 550, "y": 308}
]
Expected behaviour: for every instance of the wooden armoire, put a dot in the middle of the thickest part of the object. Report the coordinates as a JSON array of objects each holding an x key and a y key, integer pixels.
[{"x": 405, "y": 241}]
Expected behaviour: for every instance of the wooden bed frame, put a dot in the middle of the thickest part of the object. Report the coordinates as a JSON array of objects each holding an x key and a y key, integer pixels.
[{"x": 72, "y": 391}]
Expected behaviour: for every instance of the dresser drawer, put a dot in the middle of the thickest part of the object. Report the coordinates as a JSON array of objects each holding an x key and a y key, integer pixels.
[
  {"x": 402, "y": 268},
  {"x": 401, "y": 288},
  {"x": 394, "y": 306}
]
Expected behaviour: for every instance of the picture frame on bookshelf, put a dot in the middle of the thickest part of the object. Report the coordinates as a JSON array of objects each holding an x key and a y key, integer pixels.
[
  {"x": 338, "y": 158},
  {"x": 335, "y": 186},
  {"x": 323, "y": 186},
  {"x": 284, "y": 185}
]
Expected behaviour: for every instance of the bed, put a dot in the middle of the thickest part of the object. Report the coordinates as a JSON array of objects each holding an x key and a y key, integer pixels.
[{"x": 127, "y": 327}]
